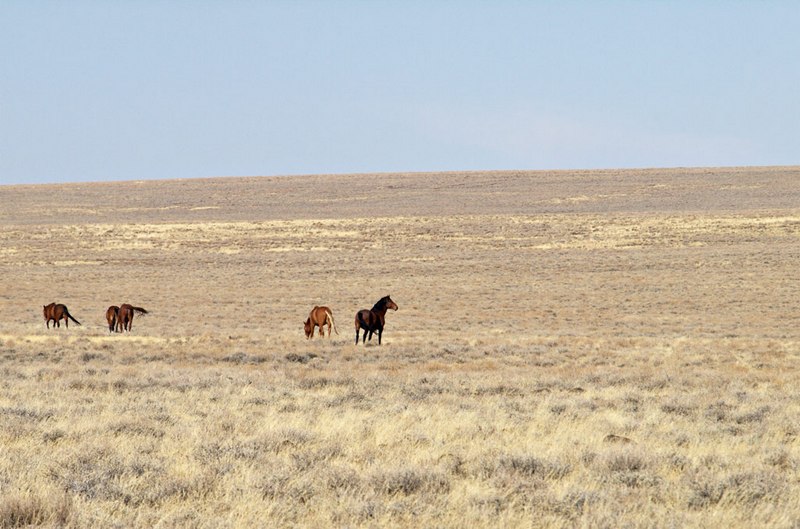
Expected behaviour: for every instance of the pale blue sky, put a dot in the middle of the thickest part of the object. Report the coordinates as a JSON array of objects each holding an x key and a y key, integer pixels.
[{"x": 96, "y": 90}]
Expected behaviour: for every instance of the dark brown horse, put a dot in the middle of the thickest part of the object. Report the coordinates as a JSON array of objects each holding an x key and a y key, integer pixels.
[
  {"x": 111, "y": 317},
  {"x": 373, "y": 320},
  {"x": 57, "y": 312},
  {"x": 318, "y": 317},
  {"x": 125, "y": 316}
]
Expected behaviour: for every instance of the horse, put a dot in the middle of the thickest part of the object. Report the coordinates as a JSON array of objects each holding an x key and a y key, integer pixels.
[
  {"x": 374, "y": 319},
  {"x": 111, "y": 317},
  {"x": 57, "y": 312},
  {"x": 318, "y": 317},
  {"x": 125, "y": 316}
]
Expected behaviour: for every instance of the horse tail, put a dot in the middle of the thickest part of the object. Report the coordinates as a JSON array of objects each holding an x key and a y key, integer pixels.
[
  {"x": 333, "y": 323},
  {"x": 70, "y": 316},
  {"x": 140, "y": 310}
]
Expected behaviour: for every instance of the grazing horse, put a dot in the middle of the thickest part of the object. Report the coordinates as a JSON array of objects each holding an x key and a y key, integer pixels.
[
  {"x": 318, "y": 317},
  {"x": 374, "y": 319},
  {"x": 111, "y": 317},
  {"x": 57, "y": 312},
  {"x": 125, "y": 316}
]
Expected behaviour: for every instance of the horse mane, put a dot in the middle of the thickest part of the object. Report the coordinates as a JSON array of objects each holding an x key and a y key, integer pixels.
[{"x": 380, "y": 304}]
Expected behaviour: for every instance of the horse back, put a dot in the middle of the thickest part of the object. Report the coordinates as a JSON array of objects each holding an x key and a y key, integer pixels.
[
  {"x": 319, "y": 315},
  {"x": 55, "y": 311},
  {"x": 124, "y": 312},
  {"x": 365, "y": 319}
]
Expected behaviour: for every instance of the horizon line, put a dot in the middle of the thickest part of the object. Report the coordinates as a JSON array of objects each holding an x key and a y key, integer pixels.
[{"x": 408, "y": 173}]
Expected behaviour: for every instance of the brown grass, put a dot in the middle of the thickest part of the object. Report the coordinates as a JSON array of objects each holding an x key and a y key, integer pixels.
[{"x": 591, "y": 349}]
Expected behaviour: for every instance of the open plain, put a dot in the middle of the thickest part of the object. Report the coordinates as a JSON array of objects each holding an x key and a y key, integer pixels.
[{"x": 571, "y": 349}]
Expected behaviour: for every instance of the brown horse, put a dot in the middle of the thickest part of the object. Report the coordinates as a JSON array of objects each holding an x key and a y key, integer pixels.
[
  {"x": 373, "y": 320},
  {"x": 57, "y": 312},
  {"x": 318, "y": 317},
  {"x": 111, "y": 317},
  {"x": 125, "y": 316}
]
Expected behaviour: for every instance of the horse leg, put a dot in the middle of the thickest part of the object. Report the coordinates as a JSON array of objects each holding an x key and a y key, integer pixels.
[
  {"x": 380, "y": 333},
  {"x": 357, "y": 329}
]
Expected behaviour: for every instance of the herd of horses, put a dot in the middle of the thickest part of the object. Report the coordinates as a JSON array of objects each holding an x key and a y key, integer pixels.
[
  {"x": 370, "y": 320},
  {"x": 120, "y": 318}
]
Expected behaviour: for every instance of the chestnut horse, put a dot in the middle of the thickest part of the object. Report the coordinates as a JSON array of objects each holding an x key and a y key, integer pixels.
[
  {"x": 125, "y": 316},
  {"x": 318, "y": 317},
  {"x": 57, "y": 312},
  {"x": 111, "y": 317},
  {"x": 374, "y": 319}
]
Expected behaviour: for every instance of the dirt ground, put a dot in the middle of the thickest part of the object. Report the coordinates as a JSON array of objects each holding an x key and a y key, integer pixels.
[{"x": 574, "y": 348}]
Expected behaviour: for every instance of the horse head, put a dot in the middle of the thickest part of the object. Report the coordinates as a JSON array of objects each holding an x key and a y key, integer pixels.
[{"x": 390, "y": 304}]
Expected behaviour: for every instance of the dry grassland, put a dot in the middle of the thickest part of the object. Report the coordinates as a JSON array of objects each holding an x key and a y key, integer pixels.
[{"x": 571, "y": 349}]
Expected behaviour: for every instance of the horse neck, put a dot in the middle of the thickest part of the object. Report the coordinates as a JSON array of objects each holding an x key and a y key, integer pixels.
[{"x": 380, "y": 311}]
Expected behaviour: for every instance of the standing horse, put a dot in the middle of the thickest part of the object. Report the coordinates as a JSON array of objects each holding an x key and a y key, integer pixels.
[
  {"x": 373, "y": 320},
  {"x": 111, "y": 317},
  {"x": 125, "y": 316},
  {"x": 57, "y": 312},
  {"x": 318, "y": 317}
]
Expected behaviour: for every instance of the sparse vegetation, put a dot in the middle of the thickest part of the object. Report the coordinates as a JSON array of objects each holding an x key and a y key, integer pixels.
[{"x": 625, "y": 359}]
